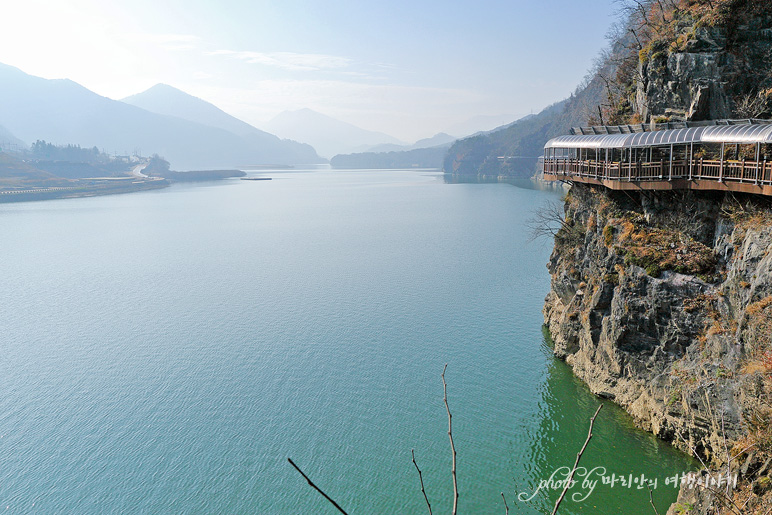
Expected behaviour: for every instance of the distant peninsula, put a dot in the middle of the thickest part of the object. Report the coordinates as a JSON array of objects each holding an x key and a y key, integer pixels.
[
  {"x": 47, "y": 171},
  {"x": 159, "y": 167}
]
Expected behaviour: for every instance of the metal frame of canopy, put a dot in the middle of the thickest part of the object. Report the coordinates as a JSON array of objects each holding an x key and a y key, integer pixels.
[{"x": 593, "y": 155}]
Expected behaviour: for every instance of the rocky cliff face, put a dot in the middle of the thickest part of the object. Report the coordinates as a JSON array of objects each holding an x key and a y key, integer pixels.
[
  {"x": 709, "y": 73},
  {"x": 663, "y": 303},
  {"x": 687, "y": 85},
  {"x": 701, "y": 60}
]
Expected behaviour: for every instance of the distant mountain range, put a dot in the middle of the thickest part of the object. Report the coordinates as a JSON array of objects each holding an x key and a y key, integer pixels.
[
  {"x": 193, "y": 134},
  {"x": 188, "y": 132},
  {"x": 481, "y": 123},
  {"x": 425, "y": 153},
  {"x": 417, "y": 158},
  {"x": 435, "y": 141},
  {"x": 169, "y": 101},
  {"x": 326, "y": 134}
]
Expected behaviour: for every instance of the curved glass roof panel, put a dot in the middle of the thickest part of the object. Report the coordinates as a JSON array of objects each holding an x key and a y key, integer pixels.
[
  {"x": 588, "y": 141},
  {"x": 662, "y": 138},
  {"x": 741, "y": 133},
  {"x": 738, "y": 134}
]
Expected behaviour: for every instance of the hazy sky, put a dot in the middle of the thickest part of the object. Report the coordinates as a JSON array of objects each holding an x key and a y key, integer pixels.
[{"x": 409, "y": 69}]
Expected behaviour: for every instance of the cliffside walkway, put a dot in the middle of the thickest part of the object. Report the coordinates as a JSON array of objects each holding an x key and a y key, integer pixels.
[{"x": 724, "y": 156}]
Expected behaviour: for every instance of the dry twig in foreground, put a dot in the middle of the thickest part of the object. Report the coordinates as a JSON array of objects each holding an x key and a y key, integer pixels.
[
  {"x": 452, "y": 446},
  {"x": 421, "y": 478},
  {"x": 316, "y": 487},
  {"x": 576, "y": 464}
]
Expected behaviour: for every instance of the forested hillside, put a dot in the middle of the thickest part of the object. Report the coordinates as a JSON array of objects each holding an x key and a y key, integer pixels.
[{"x": 667, "y": 60}]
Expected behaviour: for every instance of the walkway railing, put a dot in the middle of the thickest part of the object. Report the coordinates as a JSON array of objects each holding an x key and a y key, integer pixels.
[{"x": 747, "y": 172}]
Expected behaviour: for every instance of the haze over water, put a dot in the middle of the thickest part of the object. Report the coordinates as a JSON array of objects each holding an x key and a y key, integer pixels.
[{"x": 165, "y": 352}]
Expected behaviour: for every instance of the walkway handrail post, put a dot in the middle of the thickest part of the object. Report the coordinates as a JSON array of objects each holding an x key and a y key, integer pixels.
[
  {"x": 670, "y": 171},
  {"x": 721, "y": 168},
  {"x": 758, "y": 151},
  {"x": 691, "y": 160}
]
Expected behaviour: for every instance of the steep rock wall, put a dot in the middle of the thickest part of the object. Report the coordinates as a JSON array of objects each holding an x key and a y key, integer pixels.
[
  {"x": 707, "y": 72},
  {"x": 663, "y": 303}
]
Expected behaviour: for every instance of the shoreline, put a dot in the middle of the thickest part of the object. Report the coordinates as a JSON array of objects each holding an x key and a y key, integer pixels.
[
  {"x": 94, "y": 190},
  {"x": 96, "y": 187}
]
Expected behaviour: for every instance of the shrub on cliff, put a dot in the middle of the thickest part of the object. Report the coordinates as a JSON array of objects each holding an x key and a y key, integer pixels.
[
  {"x": 758, "y": 335},
  {"x": 657, "y": 249}
]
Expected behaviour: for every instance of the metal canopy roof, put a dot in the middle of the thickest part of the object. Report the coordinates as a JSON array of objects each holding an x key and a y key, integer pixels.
[
  {"x": 589, "y": 141},
  {"x": 742, "y": 134},
  {"x": 738, "y": 134},
  {"x": 667, "y": 137}
]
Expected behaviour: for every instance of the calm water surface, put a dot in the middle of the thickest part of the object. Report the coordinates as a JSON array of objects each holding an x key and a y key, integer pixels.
[{"x": 165, "y": 352}]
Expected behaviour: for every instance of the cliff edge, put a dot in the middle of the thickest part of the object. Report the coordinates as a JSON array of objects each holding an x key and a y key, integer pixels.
[{"x": 662, "y": 301}]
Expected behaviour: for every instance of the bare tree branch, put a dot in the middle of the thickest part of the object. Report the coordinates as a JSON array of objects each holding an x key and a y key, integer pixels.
[
  {"x": 637, "y": 40},
  {"x": 752, "y": 105},
  {"x": 547, "y": 220},
  {"x": 576, "y": 464},
  {"x": 421, "y": 479},
  {"x": 452, "y": 445},
  {"x": 742, "y": 452},
  {"x": 651, "y": 500},
  {"x": 316, "y": 487}
]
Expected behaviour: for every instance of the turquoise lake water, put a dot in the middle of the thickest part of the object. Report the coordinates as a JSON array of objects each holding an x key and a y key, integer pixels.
[{"x": 165, "y": 352}]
